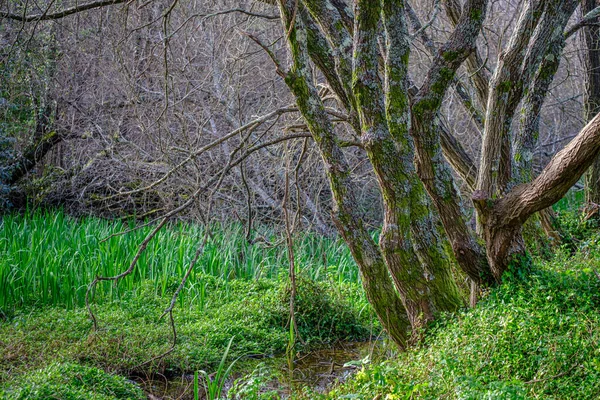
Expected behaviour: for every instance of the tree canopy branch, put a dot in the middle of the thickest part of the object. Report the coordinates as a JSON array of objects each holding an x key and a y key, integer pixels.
[{"x": 60, "y": 14}]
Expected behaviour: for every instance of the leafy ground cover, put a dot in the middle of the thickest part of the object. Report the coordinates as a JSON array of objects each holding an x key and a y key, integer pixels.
[
  {"x": 534, "y": 337},
  {"x": 72, "y": 382},
  {"x": 537, "y": 336},
  {"x": 47, "y": 260}
]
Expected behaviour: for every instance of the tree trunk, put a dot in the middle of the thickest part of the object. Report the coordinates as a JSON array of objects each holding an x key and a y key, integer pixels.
[
  {"x": 384, "y": 134},
  {"x": 503, "y": 218},
  {"x": 374, "y": 273},
  {"x": 591, "y": 35}
]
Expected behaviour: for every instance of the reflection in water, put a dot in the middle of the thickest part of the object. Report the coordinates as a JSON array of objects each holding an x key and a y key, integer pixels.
[{"x": 318, "y": 370}]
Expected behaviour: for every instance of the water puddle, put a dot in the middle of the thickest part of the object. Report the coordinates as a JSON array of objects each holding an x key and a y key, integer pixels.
[{"x": 318, "y": 370}]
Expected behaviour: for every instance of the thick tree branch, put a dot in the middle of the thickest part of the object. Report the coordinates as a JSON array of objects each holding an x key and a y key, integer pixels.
[
  {"x": 475, "y": 65},
  {"x": 526, "y": 138},
  {"x": 536, "y": 28},
  {"x": 462, "y": 91},
  {"x": 432, "y": 168},
  {"x": 322, "y": 55},
  {"x": 561, "y": 173},
  {"x": 387, "y": 162},
  {"x": 60, "y": 14},
  {"x": 409, "y": 193},
  {"x": 590, "y": 18},
  {"x": 332, "y": 24}
]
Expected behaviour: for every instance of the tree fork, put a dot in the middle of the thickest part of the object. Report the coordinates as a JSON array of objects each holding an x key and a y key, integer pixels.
[{"x": 375, "y": 278}]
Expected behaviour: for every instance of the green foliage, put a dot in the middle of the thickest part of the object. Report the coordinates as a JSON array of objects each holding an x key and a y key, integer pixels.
[
  {"x": 533, "y": 337},
  {"x": 254, "y": 386},
  {"x": 326, "y": 309},
  {"x": 214, "y": 383},
  {"x": 49, "y": 259},
  {"x": 130, "y": 332},
  {"x": 71, "y": 382},
  {"x": 577, "y": 229}
]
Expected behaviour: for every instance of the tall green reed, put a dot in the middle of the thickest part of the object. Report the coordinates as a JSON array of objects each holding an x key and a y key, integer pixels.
[{"x": 49, "y": 258}]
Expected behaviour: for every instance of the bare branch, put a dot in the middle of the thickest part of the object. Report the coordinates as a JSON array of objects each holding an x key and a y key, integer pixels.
[
  {"x": 61, "y": 14},
  {"x": 589, "y": 18}
]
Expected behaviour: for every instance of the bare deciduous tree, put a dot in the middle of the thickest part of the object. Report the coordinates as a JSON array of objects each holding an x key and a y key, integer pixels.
[
  {"x": 396, "y": 126},
  {"x": 383, "y": 89}
]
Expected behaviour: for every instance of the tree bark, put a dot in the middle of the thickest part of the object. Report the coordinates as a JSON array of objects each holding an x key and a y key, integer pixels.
[
  {"x": 591, "y": 36},
  {"x": 375, "y": 277},
  {"x": 410, "y": 246},
  {"x": 503, "y": 218},
  {"x": 433, "y": 170}
]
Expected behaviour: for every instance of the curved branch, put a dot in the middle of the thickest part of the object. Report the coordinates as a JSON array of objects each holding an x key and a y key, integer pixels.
[
  {"x": 588, "y": 19},
  {"x": 561, "y": 173},
  {"x": 60, "y": 14}
]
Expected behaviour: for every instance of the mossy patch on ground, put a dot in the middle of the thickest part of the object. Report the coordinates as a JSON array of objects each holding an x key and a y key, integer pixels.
[
  {"x": 71, "y": 382},
  {"x": 130, "y": 333}
]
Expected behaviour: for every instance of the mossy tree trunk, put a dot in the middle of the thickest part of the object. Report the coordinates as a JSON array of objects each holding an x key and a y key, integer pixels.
[
  {"x": 375, "y": 277},
  {"x": 591, "y": 36},
  {"x": 412, "y": 152},
  {"x": 411, "y": 247}
]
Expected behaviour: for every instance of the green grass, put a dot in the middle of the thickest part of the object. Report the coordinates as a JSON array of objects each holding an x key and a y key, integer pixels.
[
  {"x": 531, "y": 338},
  {"x": 237, "y": 290},
  {"x": 48, "y": 258}
]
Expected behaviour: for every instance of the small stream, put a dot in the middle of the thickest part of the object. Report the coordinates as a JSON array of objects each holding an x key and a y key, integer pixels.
[{"x": 318, "y": 369}]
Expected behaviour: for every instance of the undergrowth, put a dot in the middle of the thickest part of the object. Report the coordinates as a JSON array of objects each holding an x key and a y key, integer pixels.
[
  {"x": 71, "y": 382},
  {"x": 255, "y": 312},
  {"x": 533, "y": 337},
  {"x": 536, "y": 336},
  {"x": 48, "y": 258}
]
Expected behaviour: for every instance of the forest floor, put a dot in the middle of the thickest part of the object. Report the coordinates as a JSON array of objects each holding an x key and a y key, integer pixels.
[
  {"x": 238, "y": 292},
  {"x": 535, "y": 336}
]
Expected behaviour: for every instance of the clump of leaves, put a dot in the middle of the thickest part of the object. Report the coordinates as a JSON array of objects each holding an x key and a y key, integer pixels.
[
  {"x": 324, "y": 310},
  {"x": 532, "y": 337},
  {"x": 73, "y": 382}
]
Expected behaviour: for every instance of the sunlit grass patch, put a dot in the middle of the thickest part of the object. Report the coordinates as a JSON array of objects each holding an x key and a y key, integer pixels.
[
  {"x": 73, "y": 382},
  {"x": 48, "y": 258}
]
